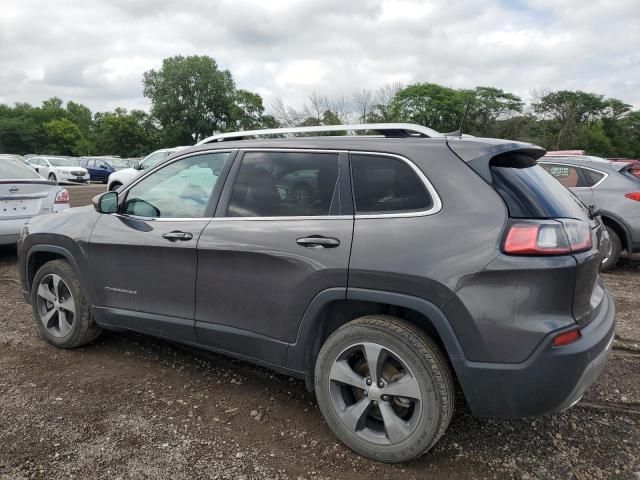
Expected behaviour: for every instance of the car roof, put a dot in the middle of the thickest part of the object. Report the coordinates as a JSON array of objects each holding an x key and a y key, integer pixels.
[{"x": 476, "y": 146}]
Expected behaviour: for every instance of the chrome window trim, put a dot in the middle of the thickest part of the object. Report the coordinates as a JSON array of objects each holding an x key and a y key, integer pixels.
[
  {"x": 434, "y": 209},
  {"x": 605, "y": 174}
]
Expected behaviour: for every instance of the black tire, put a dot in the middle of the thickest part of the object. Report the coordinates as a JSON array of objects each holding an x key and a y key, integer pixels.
[
  {"x": 428, "y": 368},
  {"x": 83, "y": 328},
  {"x": 114, "y": 186},
  {"x": 614, "y": 254},
  {"x": 52, "y": 178}
]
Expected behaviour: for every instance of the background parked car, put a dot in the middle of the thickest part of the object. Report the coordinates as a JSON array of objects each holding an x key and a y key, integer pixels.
[
  {"x": 100, "y": 168},
  {"x": 24, "y": 194},
  {"x": 124, "y": 176},
  {"x": 59, "y": 169},
  {"x": 612, "y": 188},
  {"x": 10, "y": 156}
]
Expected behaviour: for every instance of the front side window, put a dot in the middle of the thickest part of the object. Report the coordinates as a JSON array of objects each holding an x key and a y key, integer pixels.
[
  {"x": 181, "y": 189},
  {"x": 387, "y": 185},
  {"x": 285, "y": 184},
  {"x": 153, "y": 159}
]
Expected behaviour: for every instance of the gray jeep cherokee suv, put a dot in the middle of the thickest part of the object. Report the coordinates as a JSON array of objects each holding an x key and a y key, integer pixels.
[{"x": 419, "y": 260}]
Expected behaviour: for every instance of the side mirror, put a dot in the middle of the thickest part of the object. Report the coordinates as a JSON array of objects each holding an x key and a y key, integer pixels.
[{"x": 106, "y": 202}]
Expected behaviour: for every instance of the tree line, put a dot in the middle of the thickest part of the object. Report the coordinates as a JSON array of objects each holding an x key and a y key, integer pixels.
[{"x": 191, "y": 98}]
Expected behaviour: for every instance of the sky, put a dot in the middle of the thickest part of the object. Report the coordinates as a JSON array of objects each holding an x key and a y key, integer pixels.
[{"x": 95, "y": 52}]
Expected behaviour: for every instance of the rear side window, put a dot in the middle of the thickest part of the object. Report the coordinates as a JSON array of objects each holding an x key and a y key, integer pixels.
[
  {"x": 13, "y": 169},
  {"x": 285, "y": 184},
  {"x": 384, "y": 184},
  {"x": 529, "y": 191},
  {"x": 571, "y": 176}
]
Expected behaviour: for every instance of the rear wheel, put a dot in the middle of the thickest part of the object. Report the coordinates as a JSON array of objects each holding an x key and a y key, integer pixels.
[
  {"x": 384, "y": 388},
  {"x": 60, "y": 309},
  {"x": 615, "y": 250}
]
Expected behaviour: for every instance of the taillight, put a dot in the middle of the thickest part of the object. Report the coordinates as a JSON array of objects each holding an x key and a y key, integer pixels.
[
  {"x": 565, "y": 338},
  {"x": 547, "y": 238},
  {"x": 633, "y": 196},
  {"x": 62, "y": 197}
]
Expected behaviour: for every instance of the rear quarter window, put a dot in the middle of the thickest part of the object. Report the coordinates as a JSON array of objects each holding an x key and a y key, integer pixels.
[{"x": 387, "y": 185}]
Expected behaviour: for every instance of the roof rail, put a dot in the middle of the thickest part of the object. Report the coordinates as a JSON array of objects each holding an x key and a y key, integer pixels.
[{"x": 387, "y": 129}]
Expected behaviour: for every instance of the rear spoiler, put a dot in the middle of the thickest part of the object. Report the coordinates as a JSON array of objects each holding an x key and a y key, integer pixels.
[{"x": 477, "y": 153}]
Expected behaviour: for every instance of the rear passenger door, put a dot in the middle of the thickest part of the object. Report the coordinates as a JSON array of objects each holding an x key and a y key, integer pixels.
[{"x": 271, "y": 249}]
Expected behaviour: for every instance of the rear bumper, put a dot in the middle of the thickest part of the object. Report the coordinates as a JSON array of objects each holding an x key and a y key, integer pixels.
[
  {"x": 10, "y": 230},
  {"x": 552, "y": 379}
]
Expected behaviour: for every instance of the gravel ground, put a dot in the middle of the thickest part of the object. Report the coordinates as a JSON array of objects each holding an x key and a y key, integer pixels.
[{"x": 130, "y": 406}]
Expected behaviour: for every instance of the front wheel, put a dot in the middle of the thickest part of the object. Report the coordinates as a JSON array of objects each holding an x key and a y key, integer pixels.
[
  {"x": 384, "y": 388},
  {"x": 60, "y": 309}
]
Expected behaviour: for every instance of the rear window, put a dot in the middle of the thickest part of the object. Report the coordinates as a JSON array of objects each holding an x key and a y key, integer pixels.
[
  {"x": 529, "y": 191},
  {"x": 14, "y": 169}
]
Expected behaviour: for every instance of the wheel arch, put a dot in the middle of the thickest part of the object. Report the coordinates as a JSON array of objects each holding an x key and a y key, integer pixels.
[
  {"x": 40, "y": 254},
  {"x": 614, "y": 222},
  {"x": 335, "y": 307}
]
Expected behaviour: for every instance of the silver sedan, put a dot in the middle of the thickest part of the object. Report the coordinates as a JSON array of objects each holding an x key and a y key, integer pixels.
[{"x": 25, "y": 194}]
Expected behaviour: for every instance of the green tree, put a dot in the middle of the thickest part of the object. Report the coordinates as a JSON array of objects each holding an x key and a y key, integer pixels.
[
  {"x": 429, "y": 104},
  {"x": 487, "y": 106},
  {"x": 127, "y": 134},
  {"x": 190, "y": 96},
  {"x": 63, "y": 136}
]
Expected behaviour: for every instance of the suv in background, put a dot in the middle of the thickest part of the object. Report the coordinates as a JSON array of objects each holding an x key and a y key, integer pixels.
[
  {"x": 101, "y": 167},
  {"x": 612, "y": 188},
  {"x": 125, "y": 175},
  {"x": 419, "y": 259}
]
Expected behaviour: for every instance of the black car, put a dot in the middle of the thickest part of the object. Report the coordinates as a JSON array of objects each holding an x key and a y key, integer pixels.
[{"x": 418, "y": 260}]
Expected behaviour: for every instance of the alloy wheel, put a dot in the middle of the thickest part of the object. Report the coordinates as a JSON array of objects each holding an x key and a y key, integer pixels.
[
  {"x": 56, "y": 306},
  {"x": 375, "y": 393}
]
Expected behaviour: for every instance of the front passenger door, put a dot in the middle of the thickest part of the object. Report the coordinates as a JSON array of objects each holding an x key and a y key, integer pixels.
[{"x": 143, "y": 259}]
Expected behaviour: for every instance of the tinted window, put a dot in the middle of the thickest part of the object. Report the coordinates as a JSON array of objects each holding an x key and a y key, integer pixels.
[
  {"x": 386, "y": 185},
  {"x": 180, "y": 190},
  {"x": 529, "y": 191},
  {"x": 10, "y": 169},
  {"x": 291, "y": 184},
  {"x": 571, "y": 176}
]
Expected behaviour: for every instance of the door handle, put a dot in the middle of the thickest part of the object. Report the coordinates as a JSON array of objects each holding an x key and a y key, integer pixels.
[
  {"x": 176, "y": 235},
  {"x": 318, "y": 241}
]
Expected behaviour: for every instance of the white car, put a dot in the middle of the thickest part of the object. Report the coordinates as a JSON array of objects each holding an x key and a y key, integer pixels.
[
  {"x": 124, "y": 176},
  {"x": 25, "y": 194},
  {"x": 59, "y": 169}
]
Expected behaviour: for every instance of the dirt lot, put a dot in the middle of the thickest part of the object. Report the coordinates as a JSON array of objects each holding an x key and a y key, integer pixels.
[{"x": 130, "y": 406}]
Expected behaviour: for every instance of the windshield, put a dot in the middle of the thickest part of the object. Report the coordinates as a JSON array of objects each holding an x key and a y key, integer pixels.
[
  {"x": 14, "y": 169},
  {"x": 117, "y": 163},
  {"x": 63, "y": 162}
]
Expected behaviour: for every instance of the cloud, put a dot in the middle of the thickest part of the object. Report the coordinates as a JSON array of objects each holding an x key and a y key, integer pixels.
[{"x": 96, "y": 51}]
